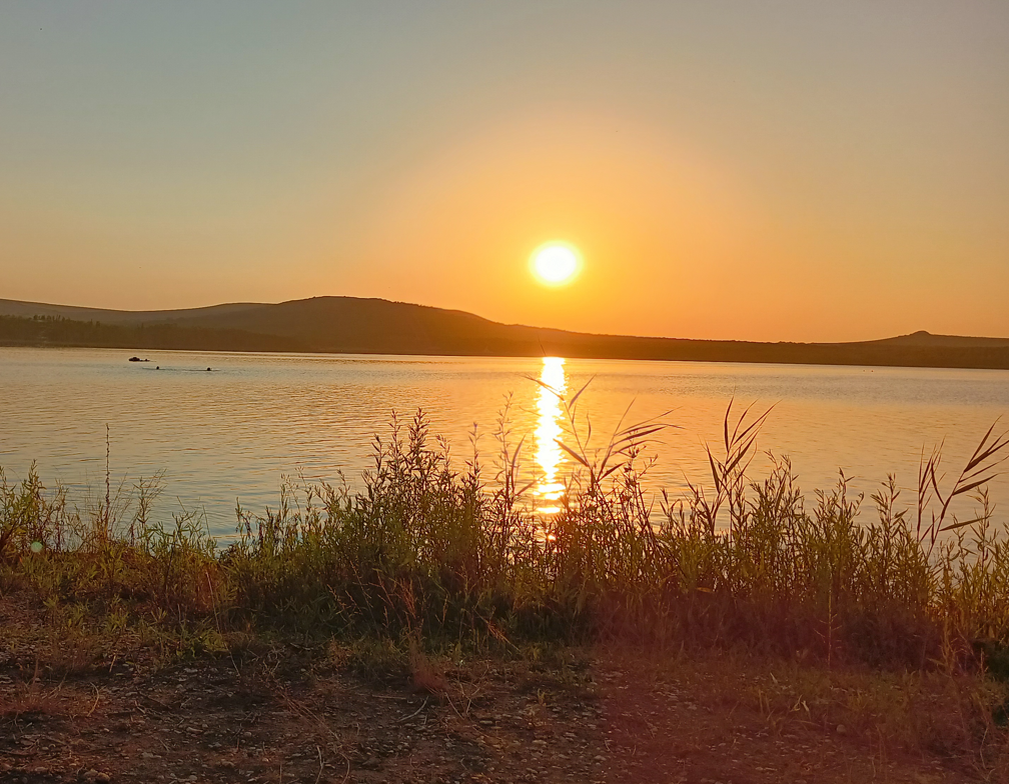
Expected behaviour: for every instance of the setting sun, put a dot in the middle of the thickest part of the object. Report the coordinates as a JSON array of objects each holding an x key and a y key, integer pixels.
[{"x": 555, "y": 263}]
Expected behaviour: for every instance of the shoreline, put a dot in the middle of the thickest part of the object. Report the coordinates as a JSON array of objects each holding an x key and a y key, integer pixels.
[
  {"x": 428, "y": 629},
  {"x": 1003, "y": 365}
]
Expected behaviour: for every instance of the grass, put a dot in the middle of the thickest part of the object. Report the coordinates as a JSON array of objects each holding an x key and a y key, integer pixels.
[
  {"x": 427, "y": 553},
  {"x": 432, "y": 563}
]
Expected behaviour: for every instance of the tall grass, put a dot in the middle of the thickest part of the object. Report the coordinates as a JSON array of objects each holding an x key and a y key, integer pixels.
[{"x": 435, "y": 552}]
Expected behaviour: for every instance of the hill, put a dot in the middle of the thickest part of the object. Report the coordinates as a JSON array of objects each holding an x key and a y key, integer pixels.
[{"x": 375, "y": 326}]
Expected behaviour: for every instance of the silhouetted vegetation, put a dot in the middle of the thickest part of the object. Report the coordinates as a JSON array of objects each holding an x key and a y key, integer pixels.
[
  {"x": 56, "y": 331},
  {"x": 434, "y": 554}
]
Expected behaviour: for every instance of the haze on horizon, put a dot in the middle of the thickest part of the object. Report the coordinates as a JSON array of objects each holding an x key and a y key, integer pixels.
[{"x": 749, "y": 170}]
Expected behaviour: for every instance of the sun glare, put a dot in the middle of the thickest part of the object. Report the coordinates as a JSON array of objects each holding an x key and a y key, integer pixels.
[
  {"x": 549, "y": 456},
  {"x": 555, "y": 263}
]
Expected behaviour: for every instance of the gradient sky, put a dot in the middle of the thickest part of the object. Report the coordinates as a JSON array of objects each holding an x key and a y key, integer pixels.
[{"x": 756, "y": 170}]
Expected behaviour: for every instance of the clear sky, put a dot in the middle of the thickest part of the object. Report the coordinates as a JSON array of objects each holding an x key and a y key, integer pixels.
[{"x": 760, "y": 170}]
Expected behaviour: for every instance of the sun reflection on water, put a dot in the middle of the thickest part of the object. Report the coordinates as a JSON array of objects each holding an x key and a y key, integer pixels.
[{"x": 549, "y": 456}]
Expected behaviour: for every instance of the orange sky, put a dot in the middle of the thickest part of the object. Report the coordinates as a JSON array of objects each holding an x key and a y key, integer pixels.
[{"x": 742, "y": 171}]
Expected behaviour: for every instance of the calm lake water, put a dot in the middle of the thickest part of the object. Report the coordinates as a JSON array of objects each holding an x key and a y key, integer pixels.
[{"x": 231, "y": 434}]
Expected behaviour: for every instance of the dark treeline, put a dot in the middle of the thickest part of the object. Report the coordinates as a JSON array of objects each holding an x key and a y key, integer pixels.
[{"x": 55, "y": 331}]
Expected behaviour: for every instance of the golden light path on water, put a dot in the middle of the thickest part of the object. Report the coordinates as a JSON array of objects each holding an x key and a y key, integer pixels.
[{"x": 549, "y": 455}]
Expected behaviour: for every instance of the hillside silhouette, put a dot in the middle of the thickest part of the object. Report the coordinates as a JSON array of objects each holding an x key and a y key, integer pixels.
[{"x": 375, "y": 326}]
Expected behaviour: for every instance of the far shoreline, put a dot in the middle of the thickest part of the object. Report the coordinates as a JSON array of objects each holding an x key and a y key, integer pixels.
[
  {"x": 362, "y": 326},
  {"x": 920, "y": 365}
]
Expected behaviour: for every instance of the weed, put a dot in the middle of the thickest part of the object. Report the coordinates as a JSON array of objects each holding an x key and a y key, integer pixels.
[{"x": 431, "y": 557}]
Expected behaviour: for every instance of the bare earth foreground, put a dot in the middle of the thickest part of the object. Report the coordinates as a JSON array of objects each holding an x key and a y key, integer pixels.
[{"x": 285, "y": 712}]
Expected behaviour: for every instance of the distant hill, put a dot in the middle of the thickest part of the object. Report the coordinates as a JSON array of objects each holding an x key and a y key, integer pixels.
[
  {"x": 928, "y": 340},
  {"x": 376, "y": 326}
]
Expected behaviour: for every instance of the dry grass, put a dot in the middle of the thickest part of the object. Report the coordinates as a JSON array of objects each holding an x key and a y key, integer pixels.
[{"x": 429, "y": 557}]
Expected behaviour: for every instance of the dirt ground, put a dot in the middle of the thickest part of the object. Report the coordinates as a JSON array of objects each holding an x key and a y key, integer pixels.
[
  {"x": 287, "y": 713},
  {"x": 211, "y": 722}
]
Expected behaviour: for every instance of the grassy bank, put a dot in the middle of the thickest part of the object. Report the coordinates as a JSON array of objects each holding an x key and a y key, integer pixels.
[
  {"x": 886, "y": 617},
  {"x": 440, "y": 556}
]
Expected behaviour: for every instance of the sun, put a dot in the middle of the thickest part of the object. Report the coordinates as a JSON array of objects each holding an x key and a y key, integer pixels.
[{"x": 555, "y": 263}]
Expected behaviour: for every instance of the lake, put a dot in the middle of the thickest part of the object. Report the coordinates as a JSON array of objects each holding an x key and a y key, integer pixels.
[{"x": 232, "y": 433}]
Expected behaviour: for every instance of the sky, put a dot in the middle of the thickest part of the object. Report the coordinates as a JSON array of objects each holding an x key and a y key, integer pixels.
[{"x": 773, "y": 170}]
